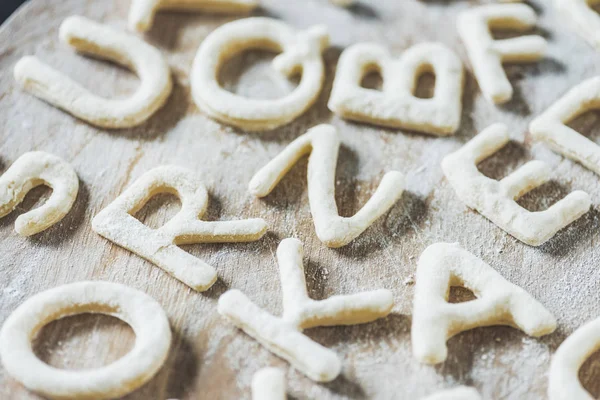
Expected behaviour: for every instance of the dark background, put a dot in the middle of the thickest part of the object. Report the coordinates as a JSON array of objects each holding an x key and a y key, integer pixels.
[{"x": 7, "y": 7}]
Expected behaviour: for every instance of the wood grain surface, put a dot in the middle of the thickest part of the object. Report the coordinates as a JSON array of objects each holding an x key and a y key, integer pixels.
[{"x": 211, "y": 359}]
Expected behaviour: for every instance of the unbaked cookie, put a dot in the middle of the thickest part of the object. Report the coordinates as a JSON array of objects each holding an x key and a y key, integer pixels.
[
  {"x": 496, "y": 200},
  {"x": 322, "y": 143},
  {"x": 300, "y": 52},
  {"x": 498, "y": 302},
  {"x": 283, "y": 336},
  {"x": 551, "y": 127},
  {"x": 160, "y": 246},
  {"x": 142, "y": 312},
  {"x": 487, "y": 54},
  {"x": 101, "y": 41},
  {"x": 396, "y": 105},
  {"x": 563, "y": 380},
  {"x": 34, "y": 169}
]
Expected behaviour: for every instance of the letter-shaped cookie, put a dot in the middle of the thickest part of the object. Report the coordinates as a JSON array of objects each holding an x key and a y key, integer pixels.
[
  {"x": 159, "y": 246},
  {"x": 142, "y": 12},
  {"x": 301, "y": 52},
  {"x": 100, "y": 41},
  {"x": 283, "y": 336},
  {"x": 323, "y": 143},
  {"x": 563, "y": 380},
  {"x": 551, "y": 128},
  {"x": 496, "y": 200},
  {"x": 34, "y": 169},
  {"x": 583, "y": 18},
  {"x": 138, "y": 366},
  {"x": 486, "y": 54},
  {"x": 459, "y": 393},
  {"x": 269, "y": 384},
  {"x": 397, "y": 106},
  {"x": 498, "y": 302}
]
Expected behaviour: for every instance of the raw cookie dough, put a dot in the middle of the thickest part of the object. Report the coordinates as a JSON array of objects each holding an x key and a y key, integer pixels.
[
  {"x": 396, "y": 105},
  {"x": 142, "y": 312},
  {"x": 283, "y": 336},
  {"x": 101, "y": 41},
  {"x": 269, "y": 384},
  {"x": 142, "y": 12},
  {"x": 551, "y": 128},
  {"x": 160, "y": 246},
  {"x": 496, "y": 200},
  {"x": 487, "y": 54},
  {"x": 322, "y": 143},
  {"x": 583, "y": 18},
  {"x": 563, "y": 380},
  {"x": 300, "y": 52},
  {"x": 33, "y": 169},
  {"x": 498, "y": 302}
]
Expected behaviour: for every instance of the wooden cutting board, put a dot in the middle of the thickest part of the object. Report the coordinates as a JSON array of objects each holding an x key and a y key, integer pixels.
[{"x": 211, "y": 359}]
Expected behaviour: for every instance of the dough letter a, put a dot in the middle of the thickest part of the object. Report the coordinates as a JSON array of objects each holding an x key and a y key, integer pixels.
[{"x": 498, "y": 302}]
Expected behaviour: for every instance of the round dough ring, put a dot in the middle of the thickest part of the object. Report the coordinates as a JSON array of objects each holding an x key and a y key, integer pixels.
[{"x": 140, "y": 311}]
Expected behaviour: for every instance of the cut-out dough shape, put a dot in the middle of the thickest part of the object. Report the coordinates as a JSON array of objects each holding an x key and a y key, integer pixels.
[
  {"x": 34, "y": 169},
  {"x": 583, "y": 18},
  {"x": 142, "y": 312},
  {"x": 397, "y": 106},
  {"x": 301, "y": 53},
  {"x": 498, "y": 302},
  {"x": 551, "y": 128},
  {"x": 496, "y": 200},
  {"x": 459, "y": 393},
  {"x": 142, "y": 12},
  {"x": 283, "y": 336},
  {"x": 322, "y": 143},
  {"x": 100, "y": 41},
  {"x": 487, "y": 54},
  {"x": 269, "y": 384},
  {"x": 569, "y": 357},
  {"x": 160, "y": 246}
]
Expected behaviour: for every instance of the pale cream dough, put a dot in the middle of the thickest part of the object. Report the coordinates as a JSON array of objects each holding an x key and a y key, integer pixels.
[
  {"x": 142, "y": 12},
  {"x": 459, "y": 393},
  {"x": 583, "y": 18},
  {"x": 563, "y": 380},
  {"x": 550, "y": 127},
  {"x": 498, "y": 302},
  {"x": 142, "y": 312},
  {"x": 269, "y": 384},
  {"x": 100, "y": 41},
  {"x": 396, "y": 105},
  {"x": 487, "y": 55},
  {"x": 160, "y": 246},
  {"x": 34, "y": 169},
  {"x": 322, "y": 143},
  {"x": 300, "y": 53},
  {"x": 496, "y": 200},
  {"x": 283, "y": 336}
]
